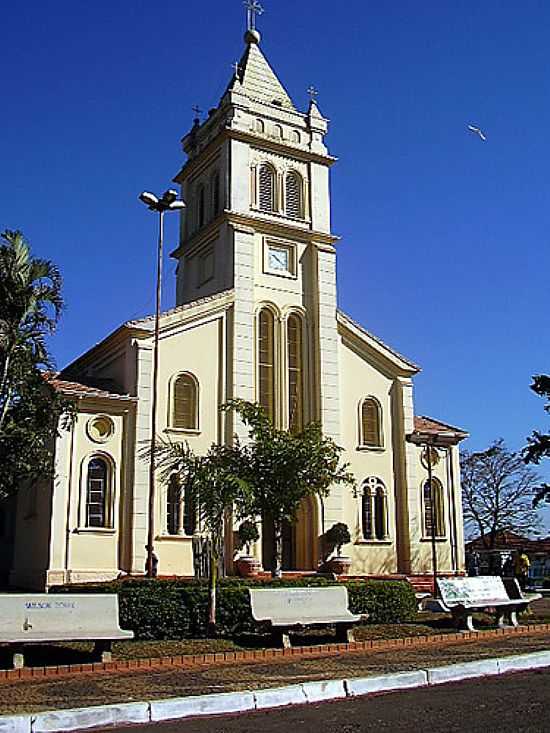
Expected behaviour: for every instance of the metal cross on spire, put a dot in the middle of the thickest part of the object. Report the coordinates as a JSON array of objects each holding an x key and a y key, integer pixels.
[
  {"x": 313, "y": 93},
  {"x": 236, "y": 68},
  {"x": 254, "y": 8}
]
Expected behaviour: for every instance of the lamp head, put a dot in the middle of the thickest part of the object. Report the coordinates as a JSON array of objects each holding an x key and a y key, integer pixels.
[
  {"x": 149, "y": 199},
  {"x": 168, "y": 197}
]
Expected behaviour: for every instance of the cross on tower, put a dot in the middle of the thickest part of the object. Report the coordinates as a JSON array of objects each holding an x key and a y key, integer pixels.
[
  {"x": 313, "y": 93},
  {"x": 253, "y": 9},
  {"x": 236, "y": 68}
]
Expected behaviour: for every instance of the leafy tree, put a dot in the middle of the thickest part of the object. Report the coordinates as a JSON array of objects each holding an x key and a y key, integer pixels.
[
  {"x": 538, "y": 444},
  {"x": 30, "y": 410},
  {"x": 212, "y": 485},
  {"x": 281, "y": 469},
  {"x": 497, "y": 492}
]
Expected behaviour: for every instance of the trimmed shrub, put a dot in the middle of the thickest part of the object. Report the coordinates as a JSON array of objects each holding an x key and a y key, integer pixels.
[{"x": 177, "y": 609}]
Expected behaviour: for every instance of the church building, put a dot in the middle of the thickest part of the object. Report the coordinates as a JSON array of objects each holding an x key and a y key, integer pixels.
[{"x": 256, "y": 317}]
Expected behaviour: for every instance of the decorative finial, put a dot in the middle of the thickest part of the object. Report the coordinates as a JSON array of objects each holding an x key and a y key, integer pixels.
[
  {"x": 313, "y": 93},
  {"x": 253, "y": 8},
  {"x": 196, "y": 109}
]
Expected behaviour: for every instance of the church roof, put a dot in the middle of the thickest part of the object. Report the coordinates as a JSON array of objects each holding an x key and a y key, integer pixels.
[
  {"x": 346, "y": 320},
  {"x": 77, "y": 389},
  {"x": 256, "y": 79},
  {"x": 424, "y": 424},
  {"x": 148, "y": 322}
]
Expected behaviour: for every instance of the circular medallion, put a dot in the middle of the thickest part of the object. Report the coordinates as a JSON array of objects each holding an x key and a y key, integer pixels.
[
  {"x": 100, "y": 428},
  {"x": 434, "y": 457}
]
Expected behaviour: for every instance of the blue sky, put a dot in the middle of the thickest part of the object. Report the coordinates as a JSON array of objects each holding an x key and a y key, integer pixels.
[{"x": 444, "y": 250}]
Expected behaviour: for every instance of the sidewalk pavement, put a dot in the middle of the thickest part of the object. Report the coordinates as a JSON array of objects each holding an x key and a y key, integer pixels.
[{"x": 35, "y": 695}]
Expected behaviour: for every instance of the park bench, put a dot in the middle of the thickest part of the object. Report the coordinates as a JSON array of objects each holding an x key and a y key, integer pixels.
[
  {"x": 295, "y": 609},
  {"x": 39, "y": 618},
  {"x": 462, "y": 597}
]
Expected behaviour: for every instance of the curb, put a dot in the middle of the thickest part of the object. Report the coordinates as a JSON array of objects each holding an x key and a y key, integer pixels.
[
  {"x": 248, "y": 700},
  {"x": 132, "y": 666}
]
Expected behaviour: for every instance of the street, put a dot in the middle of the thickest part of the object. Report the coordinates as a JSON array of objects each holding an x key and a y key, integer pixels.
[{"x": 514, "y": 704}]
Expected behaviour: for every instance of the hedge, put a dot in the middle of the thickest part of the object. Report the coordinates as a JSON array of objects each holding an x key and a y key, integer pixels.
[{"x": 165, "y": 609}]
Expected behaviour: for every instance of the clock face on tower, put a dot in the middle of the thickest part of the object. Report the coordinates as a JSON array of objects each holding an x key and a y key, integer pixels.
[{"x": 279, "y": 259}]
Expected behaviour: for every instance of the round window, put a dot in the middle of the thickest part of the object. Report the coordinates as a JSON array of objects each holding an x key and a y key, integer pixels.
[
  {"x": 434, "y": 457},
  {"x": 100, "y": 429}
]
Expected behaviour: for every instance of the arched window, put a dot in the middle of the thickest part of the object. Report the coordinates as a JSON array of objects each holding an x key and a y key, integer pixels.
[
  {"x": 278, "y": 132},
  {"x": 201, "y": 206},
  {"x": 180, "y": 511},
  {"x": 295, "y": 340},
  {"x": 293, "y": 195},
  {"x": 266, "y": 361},
  {"x": 374, "y": 510},
  {"x": 185, "y": 403},
  {"x": 216, "y": 194},
  {"x": 267, "y": 188},
  {"x": 296, "y": 136},
  {"x": 98, "y": 491},
  {"x": 371, "y": 423},
  {"x": 434, "y": 516},
  {"x": 260, "y": 127}
]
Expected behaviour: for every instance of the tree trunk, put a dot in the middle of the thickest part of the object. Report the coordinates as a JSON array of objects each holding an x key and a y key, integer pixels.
[
  {"x": 211, "y": 626},
  {"x": 3, "y": 384},
  {"x": 277, "y": 570}
]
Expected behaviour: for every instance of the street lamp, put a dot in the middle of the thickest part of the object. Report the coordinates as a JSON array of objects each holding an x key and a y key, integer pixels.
[
  {"x": 429, "y": 440},
  {"x": 168, "y": 202}
]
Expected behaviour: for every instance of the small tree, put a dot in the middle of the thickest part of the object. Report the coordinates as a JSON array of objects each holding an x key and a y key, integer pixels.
[
  {"x": 337, "y": 536},
  {"x": 497, "y": 493},
  {"x": 281, "y": 469},
  {"x": 538, "y": 444},
  {"x": 248, "y": 533},
  {"x": 212, "y": 485}
]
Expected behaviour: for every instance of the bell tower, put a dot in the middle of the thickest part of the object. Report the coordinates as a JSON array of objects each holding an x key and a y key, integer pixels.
[{"x": 256, "y": 183}]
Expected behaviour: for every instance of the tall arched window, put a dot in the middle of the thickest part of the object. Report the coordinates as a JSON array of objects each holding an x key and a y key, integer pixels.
[
  {"x": 266, "y": 361},
  {"x": 374, "y": 510},
  {"x": 180, "y": 511},
  {"x": 293, "y": 195},
  {"x": 434, "y": 513},
  {"x": 295, "y": 340},
  {"x": 201, "y": 206},
  {"x": 267, "y": 188},
  {"x": 295, "y": 136},
  {"x": 185, "y": 403},
  {"x": 97, "y": 493},
  {"x": 371, "y": 423},
  {"x": 278, "y": 132},
  {"x": 260, "y": 127},
  {"x": 216, "y": 194}
]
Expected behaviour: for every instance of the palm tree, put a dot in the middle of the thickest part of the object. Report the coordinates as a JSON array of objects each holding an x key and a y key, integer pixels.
[{"x": 30, "y": 306}]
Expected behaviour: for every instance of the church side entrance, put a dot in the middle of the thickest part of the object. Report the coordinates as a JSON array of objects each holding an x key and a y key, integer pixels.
[{"x": 300, "y": 540}]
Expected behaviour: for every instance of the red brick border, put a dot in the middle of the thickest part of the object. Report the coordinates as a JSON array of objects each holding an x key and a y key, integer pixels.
[{"x": 320, "y": 650}]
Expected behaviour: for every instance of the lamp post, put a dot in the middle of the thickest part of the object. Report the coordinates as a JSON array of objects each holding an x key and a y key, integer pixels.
[
  {"x": 429, "y": 441},
  {"x": 168, "y": 202}
]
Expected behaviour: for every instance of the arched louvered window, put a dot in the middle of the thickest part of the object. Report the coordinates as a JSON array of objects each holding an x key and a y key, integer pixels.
[
  {"x": 278, "y": 132},
  {"x": 180, "y": 510},
  {"x": 201, "y": 206},
  {"x": 216, "y": 198},
  {"x": 98, "y": 482},
  {"x": 371, "y": 423},
  {"x": 267, "y": 188},
  {"x": 260, "y": 127},
  {"x": 434, "y": 516},
  {"x": 185, "y": 403},
  {"x": 266, "y": 361},
  {"x": 374, "y": 510},
  {"x": 295, "y": 341},
  {"x": 296, "y": 136},
  {"x": 293, "y": 193}
]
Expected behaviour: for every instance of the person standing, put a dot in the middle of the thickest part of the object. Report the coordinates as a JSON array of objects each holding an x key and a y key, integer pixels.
[{"x": 521, "y": 568}]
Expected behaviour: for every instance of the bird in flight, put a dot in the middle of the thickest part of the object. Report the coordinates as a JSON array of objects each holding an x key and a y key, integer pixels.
[{"x": 477, "y": 132}]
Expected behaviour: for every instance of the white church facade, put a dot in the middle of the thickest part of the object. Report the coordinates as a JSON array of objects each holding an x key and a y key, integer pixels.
[{"x": 256, "y": 318}]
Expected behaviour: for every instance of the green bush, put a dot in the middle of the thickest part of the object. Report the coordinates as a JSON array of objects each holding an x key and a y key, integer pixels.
[{"x": 164, "y": 609}]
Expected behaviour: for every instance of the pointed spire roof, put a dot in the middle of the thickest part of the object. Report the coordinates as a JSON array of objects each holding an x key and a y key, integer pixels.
[{"x": 256, "y": 79}]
